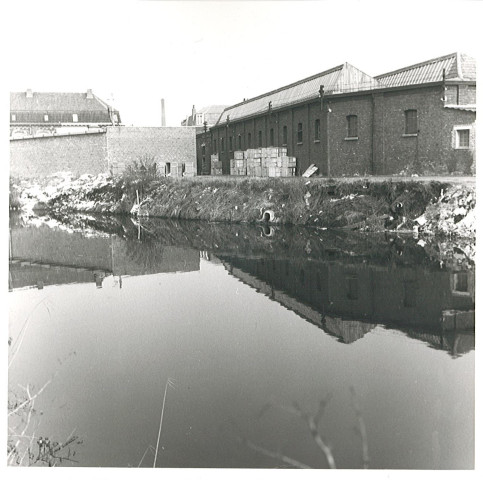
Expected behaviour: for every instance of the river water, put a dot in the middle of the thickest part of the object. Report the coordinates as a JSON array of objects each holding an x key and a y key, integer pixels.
[{"x": 231, "y": 337}]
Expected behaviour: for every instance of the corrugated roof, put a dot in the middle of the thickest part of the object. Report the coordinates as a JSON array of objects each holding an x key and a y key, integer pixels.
[
  {"x": 456, "y": 66},
  {"x": 341, "y": 79},
  {"x": 54, "y": 101},
  {"x": 212, "y": 109}
]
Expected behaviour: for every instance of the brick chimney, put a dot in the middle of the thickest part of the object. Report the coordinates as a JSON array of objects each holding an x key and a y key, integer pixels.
[
  {"x": 89, "y": 93},
  {"x": 29, "y": 93}
]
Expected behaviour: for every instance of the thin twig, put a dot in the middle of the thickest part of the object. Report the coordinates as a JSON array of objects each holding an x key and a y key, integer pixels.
[
  {"x": 30, "y": 399},
  {"x": 278, "y": 456},
  {"x": 362, "y": 428},
  {"x": 23, "y": 330},
  {"x": 310, "y": 420},
  {"x": 150, "y": 447},
  {"x": 170, "y": 383}
]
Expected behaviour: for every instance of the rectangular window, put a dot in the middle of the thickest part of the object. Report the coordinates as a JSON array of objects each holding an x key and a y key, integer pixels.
[
  {"x": 317, "y": 130},
  {"x": 352, "y": 126},
  {"x": 285, "y": 135},
  {"x": 46, "y": 118},
  {"x": 75, "y": 118},
  {"x": 231, "y": 144},
  {"x": 203, "y": 150},
  {"x": 222, "y": 144},
  {"x": 214, "y": 146},
  {"x": 299, "y": 133},
  {"x": 260, "y": 138},
  {"x": 249, "y": 140},
  {"x": 463, "y": 138},
  {"x": 272, "y": 141},
  {"x": 14, "y": 117},
  {"x": 411, "y": 122},
  {"x": 239, "y": 142}
]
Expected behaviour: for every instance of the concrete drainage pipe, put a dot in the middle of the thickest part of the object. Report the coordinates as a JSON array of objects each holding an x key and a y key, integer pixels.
[{"x": 268, "y": 216}]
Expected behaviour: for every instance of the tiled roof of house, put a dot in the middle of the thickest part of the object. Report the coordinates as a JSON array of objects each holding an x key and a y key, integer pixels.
[
  {"x": 341, "y": 79},
  {"x": 456, "y": 66},
  {"x": 54, "y": 101}
]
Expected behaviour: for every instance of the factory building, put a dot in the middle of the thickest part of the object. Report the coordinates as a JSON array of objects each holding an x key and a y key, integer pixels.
[{"x": 416, "y": 120}]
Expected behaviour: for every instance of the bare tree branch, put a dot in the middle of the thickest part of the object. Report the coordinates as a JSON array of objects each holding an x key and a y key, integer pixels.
[
  {"x": 361, "y": 428},
  {"x": 310, "y": 420},
  {"x": 278, "y": 456}
]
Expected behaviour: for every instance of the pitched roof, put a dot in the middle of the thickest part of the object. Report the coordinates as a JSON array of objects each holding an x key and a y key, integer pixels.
[
  {"x": 456, "y": 66},
  {"x": 212, "y": 109},
  {"x": 341, "y": 79},
  {"x": 54, "y": 101}
]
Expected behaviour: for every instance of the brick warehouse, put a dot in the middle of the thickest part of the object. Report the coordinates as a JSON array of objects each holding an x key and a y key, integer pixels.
[{"x": 419, "y": 119}]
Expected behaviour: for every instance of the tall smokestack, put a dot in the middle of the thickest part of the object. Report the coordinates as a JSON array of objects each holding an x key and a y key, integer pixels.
[{"x": 163, "y": 114}]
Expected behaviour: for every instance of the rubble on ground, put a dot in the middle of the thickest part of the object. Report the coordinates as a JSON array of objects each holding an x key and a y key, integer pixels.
[{"x": 452, "y": 214}]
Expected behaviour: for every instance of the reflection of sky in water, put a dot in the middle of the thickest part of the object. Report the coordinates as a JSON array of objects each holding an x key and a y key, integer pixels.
[{"x": 231, "y": 351}]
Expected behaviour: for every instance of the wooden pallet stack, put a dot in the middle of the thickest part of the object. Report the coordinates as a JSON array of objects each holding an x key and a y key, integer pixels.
[{"x": 216, "y": 165}]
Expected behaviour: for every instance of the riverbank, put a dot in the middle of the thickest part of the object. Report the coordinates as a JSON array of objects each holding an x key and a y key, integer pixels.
[{"x": 436, "y": 207}]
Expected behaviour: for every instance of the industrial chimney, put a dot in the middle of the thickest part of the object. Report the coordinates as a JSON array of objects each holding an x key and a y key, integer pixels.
[
  {"x": 89, "y": 93},
  {"x": 163, "y": 114}
]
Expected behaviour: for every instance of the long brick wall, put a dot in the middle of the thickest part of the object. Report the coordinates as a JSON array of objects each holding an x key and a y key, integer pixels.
[
  {"x": 102, "y": 152},
  {"x": 164, "y": 144},
  {"x": 41, "y": 157}
]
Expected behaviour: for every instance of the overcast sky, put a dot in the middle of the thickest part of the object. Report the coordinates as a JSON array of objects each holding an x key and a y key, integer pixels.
[{"x": 206, "y": 52}]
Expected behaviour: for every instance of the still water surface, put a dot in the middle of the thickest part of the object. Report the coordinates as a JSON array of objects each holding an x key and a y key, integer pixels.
[{"x": 245, "y": 323}]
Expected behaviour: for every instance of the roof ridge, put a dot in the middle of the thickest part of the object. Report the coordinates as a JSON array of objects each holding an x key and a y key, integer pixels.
[
  {"x": 312, "y": 77},
  {"x": 416, "y": 65}
]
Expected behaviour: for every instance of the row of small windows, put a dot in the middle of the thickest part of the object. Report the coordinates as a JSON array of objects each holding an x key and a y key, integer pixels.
[
  {"x": 411, "y": 128},
  {"x": 75, "y": 117},
  {"x": 272, "y": 137}
]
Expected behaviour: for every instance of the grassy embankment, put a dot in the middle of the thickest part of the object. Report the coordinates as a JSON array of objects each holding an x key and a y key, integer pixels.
[{"x": 369, "y": 204}]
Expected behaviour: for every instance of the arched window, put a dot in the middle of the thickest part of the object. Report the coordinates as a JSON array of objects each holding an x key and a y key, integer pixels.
[
  {"x": 299, "y": 133},
  {"x": 285, "y": 135}
]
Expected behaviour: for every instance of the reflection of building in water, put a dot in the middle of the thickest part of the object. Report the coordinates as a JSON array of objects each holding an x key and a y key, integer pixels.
[
  {"x": 45, "y": 256},
  {"x": 348, "y": 300}
]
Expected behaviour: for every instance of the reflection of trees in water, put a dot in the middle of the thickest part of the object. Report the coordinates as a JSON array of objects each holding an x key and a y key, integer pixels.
[
  {"x": 314, "y": 425},
  {"x": 261, "y": 239}
]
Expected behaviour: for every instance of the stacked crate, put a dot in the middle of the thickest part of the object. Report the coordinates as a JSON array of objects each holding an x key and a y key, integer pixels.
[
  {"x": 259, "y": 162},
  {"x": 238, "y": 165},
  {"x": 216, "y": 165},
  {"x": 254, "y": 162},
  {"x": 270, "y": 162}
]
